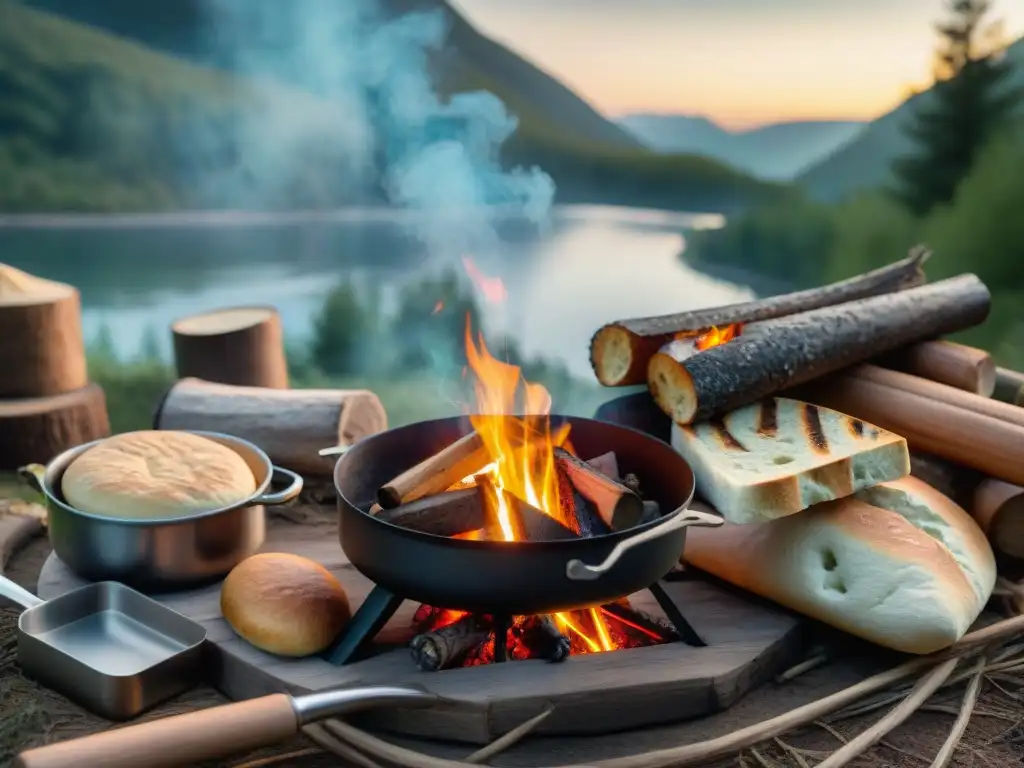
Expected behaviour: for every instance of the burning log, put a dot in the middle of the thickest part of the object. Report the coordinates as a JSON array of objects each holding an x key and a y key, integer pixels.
[
  {"x": 444, "y": 647},
  {"x": 956, "y": 365},
  {"x": 454, "y": 513},
  {"x": 465, "y": 457},
  {"x": 990, "y": 445},
  {"x": 528, "y": 523},
  {"x": 620, "y": 352},
  {"x": 1009, "y": 386},
  {"x": 607, "y": 464},
  {"x": 783, "y": 353},
  {"x": 653, "y": 628},
  {"x": 616, "y": 505},
  {"x": 546, "y": 640},
  {"x": 239, "y": 345}
]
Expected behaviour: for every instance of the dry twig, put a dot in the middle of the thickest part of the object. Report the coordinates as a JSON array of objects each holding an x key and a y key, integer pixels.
[
  {"x": 966, "y": 708},
  {"x": 502, "y": 743},
  {"x": 925, "y": 687},
  {"x": 814, "y": 661}
]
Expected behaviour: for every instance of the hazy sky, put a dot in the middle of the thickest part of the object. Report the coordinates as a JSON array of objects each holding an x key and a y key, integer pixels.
[{"x": 741, "y": 62}]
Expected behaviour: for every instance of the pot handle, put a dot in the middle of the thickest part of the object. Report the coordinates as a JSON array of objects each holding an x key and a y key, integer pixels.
[
  {"x": 577, "y": 570},
  {"x": 271, "y": 498},
  {"x": 32, "y": 475}
]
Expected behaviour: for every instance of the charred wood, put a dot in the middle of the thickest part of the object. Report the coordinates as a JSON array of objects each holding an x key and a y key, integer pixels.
[
  {"x": 446, "y": 646},
  {"x": 620, "y": 351},
  {"x": 547, "y": 641},
  {"x": 616, "y": 505},
  {"x": 783, "y": 353}
]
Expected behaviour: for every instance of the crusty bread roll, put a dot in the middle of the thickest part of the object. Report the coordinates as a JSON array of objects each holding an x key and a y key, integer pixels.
[
  {"x": 284, "y": 604},
  {"x": 779, "y": 456},
  {"x": 157, "y": 474},
  {"x": 898, "y": 564}
]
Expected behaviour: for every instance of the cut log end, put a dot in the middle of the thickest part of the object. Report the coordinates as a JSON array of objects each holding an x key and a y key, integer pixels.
[
  {"x": 20, "y": 289},
  {"x": 222, "y": 321},
  {"x": 617, "y": 356},
  {"x": 672, "y": 388}
]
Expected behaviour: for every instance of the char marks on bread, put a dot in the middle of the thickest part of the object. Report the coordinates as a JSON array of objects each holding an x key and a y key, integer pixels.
[
  {"x": 157, "y": 474},
  {"x": 900, "y": 564},
  {"x": 779, "y": 456}
]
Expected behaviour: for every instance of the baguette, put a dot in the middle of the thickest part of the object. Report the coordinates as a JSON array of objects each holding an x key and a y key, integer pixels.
[
  {"x": 899, "y": 565},
  {"x": 779, "y": 456}
]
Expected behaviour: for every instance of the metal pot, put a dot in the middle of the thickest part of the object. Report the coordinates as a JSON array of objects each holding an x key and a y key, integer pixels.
[
  {"x": 513, "y": 578},
  {"x": 164, "y": 554}
]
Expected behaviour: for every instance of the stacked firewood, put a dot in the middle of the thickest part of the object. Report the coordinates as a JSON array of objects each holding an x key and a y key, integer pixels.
[{"x": 868, "y": 347}]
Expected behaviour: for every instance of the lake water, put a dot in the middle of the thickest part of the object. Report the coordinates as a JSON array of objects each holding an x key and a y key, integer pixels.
[{"x": 593, "y": 264}]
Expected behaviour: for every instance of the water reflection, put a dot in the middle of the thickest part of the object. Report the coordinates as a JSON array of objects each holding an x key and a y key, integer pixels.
[{"x": 592, "y": 265}]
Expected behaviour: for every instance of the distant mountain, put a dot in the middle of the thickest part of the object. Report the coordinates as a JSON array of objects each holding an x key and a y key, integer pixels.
[
  {"x": 866, "y": 161},
  {"x": 778, "y": 151},
  {"x": 93, "y": 121},
  {"x": 470, "y": 59}
]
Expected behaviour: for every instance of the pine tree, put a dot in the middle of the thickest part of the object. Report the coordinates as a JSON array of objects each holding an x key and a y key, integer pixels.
[{"x": 972, "y": 99}]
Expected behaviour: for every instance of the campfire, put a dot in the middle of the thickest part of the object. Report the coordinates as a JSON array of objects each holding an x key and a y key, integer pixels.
[{"x": 516, "y": 478}]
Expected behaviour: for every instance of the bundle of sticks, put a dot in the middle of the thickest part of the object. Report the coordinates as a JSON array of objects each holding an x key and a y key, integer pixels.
[
  {"x": 869, "y": 347},
  {"x": 451, "y": 493}
]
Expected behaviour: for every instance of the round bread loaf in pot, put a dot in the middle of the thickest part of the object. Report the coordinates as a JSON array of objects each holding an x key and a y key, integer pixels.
[
  {"x": 898, "y": 564},
  {"x": 157, "y": 475},
  {"x": 284, "y": 604}
]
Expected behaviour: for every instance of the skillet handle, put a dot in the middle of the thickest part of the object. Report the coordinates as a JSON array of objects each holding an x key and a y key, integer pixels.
[
  {"x": 577, "y": 570},
  {"x": 183, "y": 740},
  {"x": 272, "y": 498}
]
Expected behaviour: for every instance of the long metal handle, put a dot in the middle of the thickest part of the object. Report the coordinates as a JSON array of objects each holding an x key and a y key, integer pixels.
[
  {"x": 318, "y": 706},
  {"x": 184, "y": 740},
  {"x": 20, "y": 595},
  {"x": 577, "y": 570}
]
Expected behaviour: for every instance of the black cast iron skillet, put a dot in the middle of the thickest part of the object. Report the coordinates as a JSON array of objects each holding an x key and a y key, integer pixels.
[{"x": 513, "y": 578}]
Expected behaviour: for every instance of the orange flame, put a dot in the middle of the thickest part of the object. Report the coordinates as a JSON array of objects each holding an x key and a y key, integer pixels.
[
  {"x": 492, "y": 288},
  {"x": 513, "y": 421},
  {"x": 718, "y": 336}
]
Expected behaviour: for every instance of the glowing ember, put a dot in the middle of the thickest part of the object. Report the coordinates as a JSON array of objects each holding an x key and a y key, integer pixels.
[
  {"x": 718, "y": 336},
  {"x": 438, "y": 307},
  {"x": 492, "y": 288}
]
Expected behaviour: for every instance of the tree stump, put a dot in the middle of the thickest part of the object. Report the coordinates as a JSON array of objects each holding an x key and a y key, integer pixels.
[
  {"x": 34, "y": 430},
  {"x": 42, "y": 352},
  {"x": 239, "y": 345}
]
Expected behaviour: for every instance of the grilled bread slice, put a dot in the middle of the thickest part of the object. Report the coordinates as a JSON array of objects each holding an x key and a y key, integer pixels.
[{"x": 779, "y": 456}]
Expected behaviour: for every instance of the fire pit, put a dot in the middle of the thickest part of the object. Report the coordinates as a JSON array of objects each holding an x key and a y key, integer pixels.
[{"x": 550, "y": 588}]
